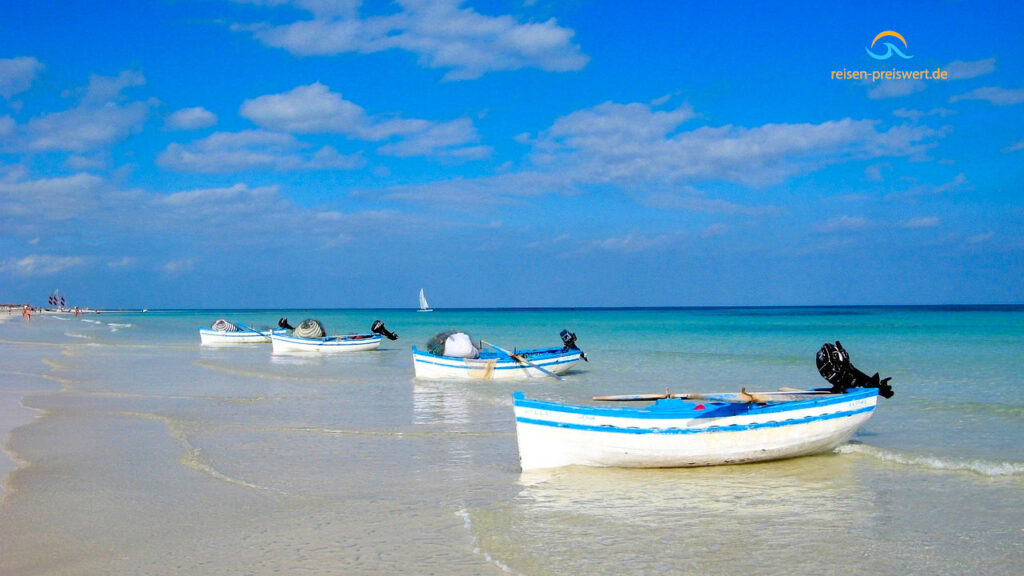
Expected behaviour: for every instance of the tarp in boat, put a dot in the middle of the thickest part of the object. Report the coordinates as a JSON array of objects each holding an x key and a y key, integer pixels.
[
  {"x": 223, "y": 325},
  {"x": 310, "y": 328},
  {"x": 453, "y": 343}
]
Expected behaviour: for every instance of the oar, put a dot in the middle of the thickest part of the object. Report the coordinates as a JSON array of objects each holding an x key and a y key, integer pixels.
[
  {"x": 784, "y": 395},
  {"x": 719, "y": 397},
  {"x": 743, "y": 397},
  {"x": 734, "y": 398},
  {"x": 787, "y": 390},
  {"x": 243, "y": 325},
  {"x": 631, "y": 397},
  {"x": 519, "y": 358}
]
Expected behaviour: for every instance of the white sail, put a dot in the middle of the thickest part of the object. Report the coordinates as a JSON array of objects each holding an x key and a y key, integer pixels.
[{"x": 424, "y": 307}]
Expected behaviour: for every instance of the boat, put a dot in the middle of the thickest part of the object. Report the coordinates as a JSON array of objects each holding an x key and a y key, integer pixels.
[
  {"x": 223, "y": 332},
  {"x": 424, "y": 307},
  {"x": 310, "y": 336},
  {"x": 492, "y": 362},
  {"x": 686, "y": 430}
]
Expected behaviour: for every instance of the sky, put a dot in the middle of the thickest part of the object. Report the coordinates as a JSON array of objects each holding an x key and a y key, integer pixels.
[{"x": 337, "y": 154}]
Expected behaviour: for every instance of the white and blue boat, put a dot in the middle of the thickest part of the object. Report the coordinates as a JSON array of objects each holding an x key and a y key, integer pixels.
[
  {"x": 311, "y": 337},
  {"x": 350, "y": 343},
  {"x": 223, "y": 332},
  {"x": 496, "y": 363},
  {"x": 685, "y": 430}
]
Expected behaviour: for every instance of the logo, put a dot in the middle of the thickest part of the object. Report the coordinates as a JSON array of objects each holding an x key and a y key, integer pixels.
[{"x": 890, "y": 48}]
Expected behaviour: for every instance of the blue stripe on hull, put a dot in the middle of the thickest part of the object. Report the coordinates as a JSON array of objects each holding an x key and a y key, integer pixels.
[
  {"x": 710, "y": 429},
  {"x": 500, "y": 365}
]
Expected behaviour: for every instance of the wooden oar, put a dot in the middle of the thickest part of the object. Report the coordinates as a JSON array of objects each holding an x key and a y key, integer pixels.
[
  {"x": 243, "y": 325},
  {"x": 784, "y": 395},
  {"x": 522, "y": 359},
  {"x": 787, "y": 390},
  {"x": 717, "y": 397},
  {"x": 743, "y": 397},
  {"x": 630, "y": 397}
]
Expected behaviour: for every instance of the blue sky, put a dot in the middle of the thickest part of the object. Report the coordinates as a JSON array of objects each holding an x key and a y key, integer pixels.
[{"x": 312, "y": 153}]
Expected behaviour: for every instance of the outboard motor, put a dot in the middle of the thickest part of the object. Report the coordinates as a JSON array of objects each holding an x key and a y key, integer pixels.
[
  {"x": 834, "y": 366},
  {"x": 283, "y": 323},
  {"x": 379, "y": 328},
  {"x": 569, "y": 341}
]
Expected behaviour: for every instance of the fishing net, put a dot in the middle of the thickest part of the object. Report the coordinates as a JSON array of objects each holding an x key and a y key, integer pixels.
[
  {"x": 310, "y": 328},
  {"x": 223, "y": 325},
  {"x": 453, "y": 343}
]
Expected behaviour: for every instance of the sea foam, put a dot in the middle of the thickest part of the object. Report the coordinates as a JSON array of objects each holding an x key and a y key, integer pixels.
[{"x": 983, "y": 467}]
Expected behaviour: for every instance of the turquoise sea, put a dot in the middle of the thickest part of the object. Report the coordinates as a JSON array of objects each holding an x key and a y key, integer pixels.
[{"x": 131, "y": 449}]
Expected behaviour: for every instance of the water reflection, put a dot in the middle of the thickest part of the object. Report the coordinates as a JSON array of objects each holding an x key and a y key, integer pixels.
[
  {"x": 440, "y": 403},
  {"x": 727, "y": 519}
]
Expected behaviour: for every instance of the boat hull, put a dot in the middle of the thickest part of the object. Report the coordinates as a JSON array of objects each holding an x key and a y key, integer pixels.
[
  {"x": 494, "y": 366},
  {"x": 211, "y": 337},
  {"x": 286, "y": 343},
  {"x": 674, "y": 433}
]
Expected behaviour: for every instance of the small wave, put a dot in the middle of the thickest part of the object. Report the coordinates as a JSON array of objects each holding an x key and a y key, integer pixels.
[
  {"x": 391, "y": 433},
  {"x": 982, "y": 467},
  {"x": 116, "y": 326},
  {"x": 76, "y": 335},
  {"x": 193, "y": 457},
  {"x": 468, "y": 523}
]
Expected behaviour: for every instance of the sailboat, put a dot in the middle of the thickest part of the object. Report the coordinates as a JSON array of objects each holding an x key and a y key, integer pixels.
[{"x": 424, "y": 307}]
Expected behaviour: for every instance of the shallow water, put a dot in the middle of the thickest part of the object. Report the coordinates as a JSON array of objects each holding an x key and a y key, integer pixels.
[{"x": 153, "y": 455}]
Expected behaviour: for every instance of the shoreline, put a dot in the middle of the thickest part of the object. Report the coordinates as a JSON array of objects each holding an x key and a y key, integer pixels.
[
  {"x": 13, "y": 415},
  {"x": 13, "y": 412}
]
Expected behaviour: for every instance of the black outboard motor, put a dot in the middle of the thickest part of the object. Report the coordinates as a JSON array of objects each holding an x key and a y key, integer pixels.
[
  {"x": 283, "y": 323},
  {"x": 834, "y": 366},
  {"x": 379, "y": 328},
  {"x": 569, "y": 339}
]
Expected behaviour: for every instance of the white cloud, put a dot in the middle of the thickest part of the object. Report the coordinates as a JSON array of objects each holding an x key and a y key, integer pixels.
[
  {"x": 41, "y": 265},
  {"x": 441, "y": 32},
  {"x": 959, "y": 182},
  {"x": 8, "y": 127},
  {"x": 84, "y": 129},
  {"x": 635, "y": 144},
  {"x": 843, "y": 224},
  {"x": 1014, "y": 147},
  {"x": 874, "y": 172},
  {"x": 642, "y": 151},
  {"x": 102, "y": 89},
  {"x": 693, "y": 201},
  {"x": 633, "y": 243},
  {"x": 922, "y": 222},
  {"x": 314, "y": 109},
  {"x": 895, "y": 88},
  {"x": 960, "y": 70},
  {"x": 47, "y": 199},
  {"x": 447, "y": 139},
  {"x": 252, "y": 150},
  {"x": 191, "y": 119},
  {"x": 17, "y": 74},
  {"x": 178, "y": 266},
  {"x": 918, "y": 114},
  {"x": 994, "y": 95},
  {"x": 99, "y": 120},
  {"x": 125, "y": 262},
  {"x": 714, "y": 230}
]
